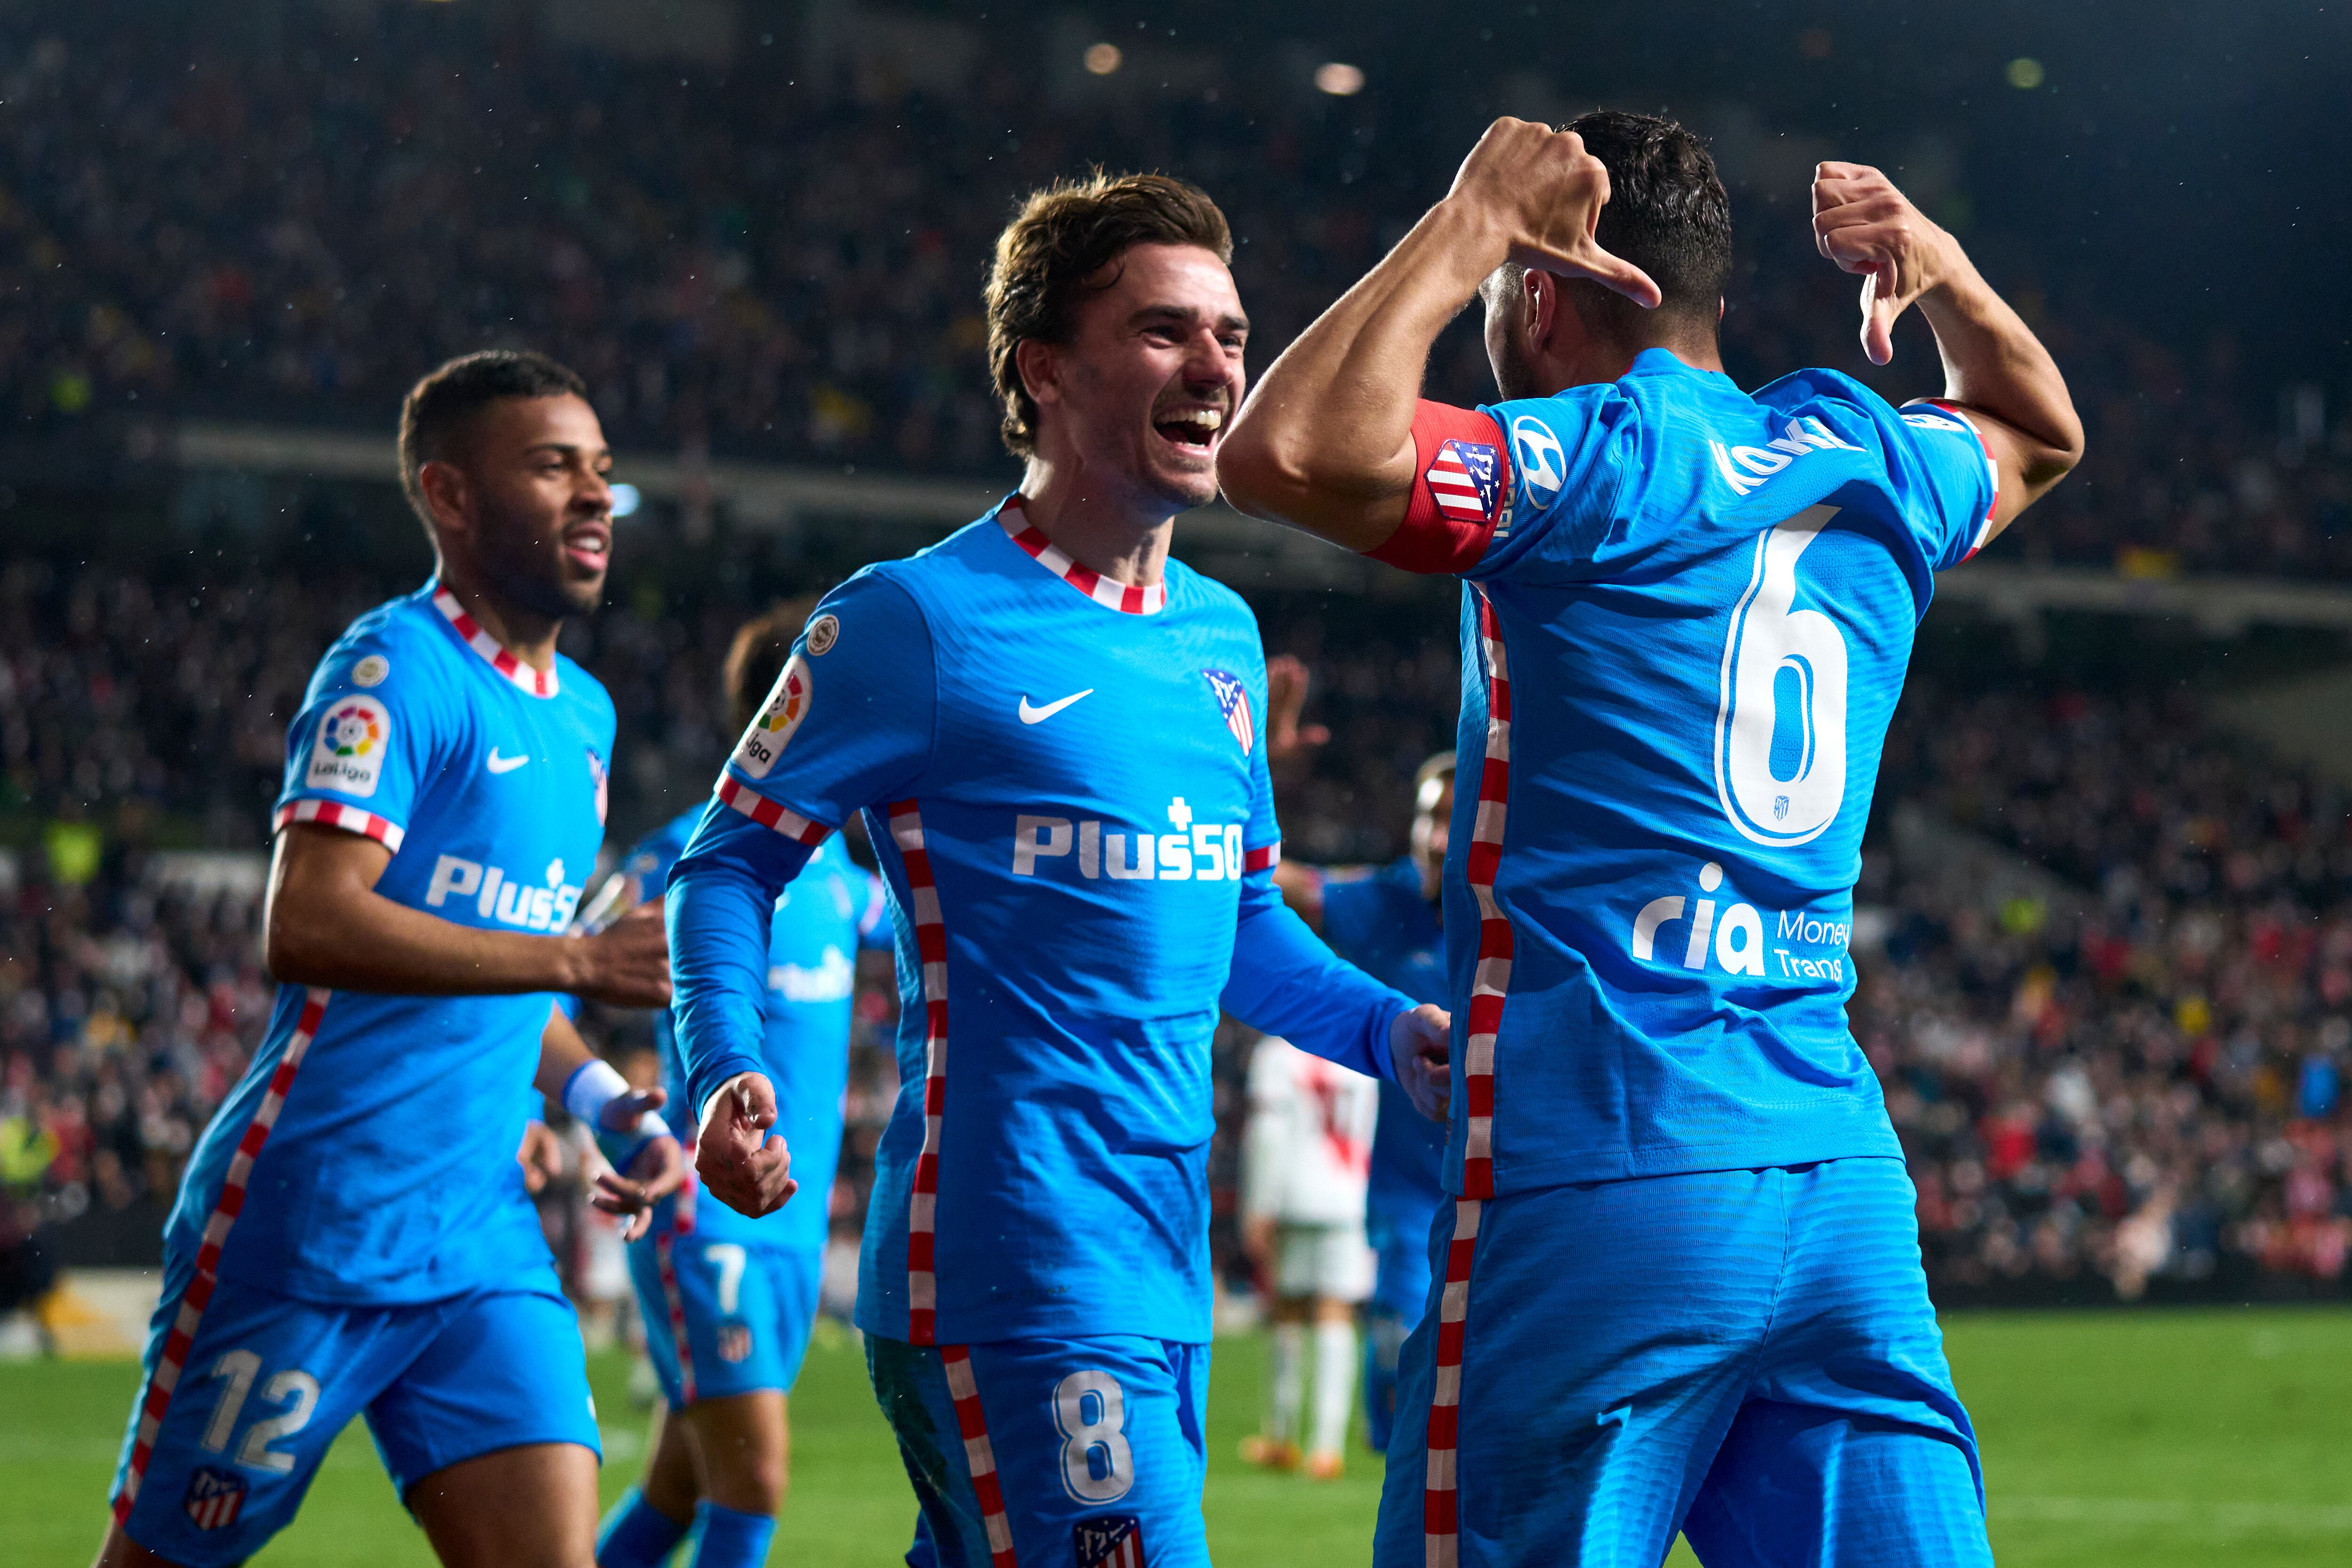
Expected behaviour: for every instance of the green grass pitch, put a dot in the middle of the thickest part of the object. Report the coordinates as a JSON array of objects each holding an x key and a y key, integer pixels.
[{"x": 2142, "y": 1439}]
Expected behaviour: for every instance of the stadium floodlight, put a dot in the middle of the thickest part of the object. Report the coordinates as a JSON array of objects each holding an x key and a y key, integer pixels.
[
  {"x": 1103, "y": 58},
  {"x": 1339, "y": 80},
  {"x": 626, "y": 500},
  {"x": 2024, "y": 75}
]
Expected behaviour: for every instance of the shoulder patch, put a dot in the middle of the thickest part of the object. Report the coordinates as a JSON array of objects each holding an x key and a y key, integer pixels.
[
  {"x": 786, "y": 706},
  {"x": 371, "y": 671},
  {"x": 1536, "y": 451},
  {"x": 822, "y": 633},
  {"x": 348, "y": 753}
]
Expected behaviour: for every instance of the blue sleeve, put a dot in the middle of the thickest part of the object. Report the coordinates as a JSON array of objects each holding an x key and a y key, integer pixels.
[
  {"x": 1284, "y": 982},
  {"x": 849, "y": 724},
  {"x": 1943, "y": 477},
  {"x": 370, "y": 735},
  {"x": 720, "y": 911},
  {"x": 1512, "y": 488}
]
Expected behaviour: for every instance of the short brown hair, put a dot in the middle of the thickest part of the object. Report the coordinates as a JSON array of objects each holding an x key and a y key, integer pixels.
[
  {"x": 756, "y": 658},
  {"x": 434, "y": 415},
  {"x": 1048, "y": 256}
]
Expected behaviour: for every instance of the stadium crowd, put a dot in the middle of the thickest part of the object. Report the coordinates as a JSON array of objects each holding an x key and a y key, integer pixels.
[
  {"x": 2132, "y": 1082},
  {"x": 2129, "y": 1078},
  {"x": 781, "y": 258}
]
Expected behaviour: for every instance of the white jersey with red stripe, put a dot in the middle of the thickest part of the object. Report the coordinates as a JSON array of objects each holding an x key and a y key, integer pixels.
[
  {"x": 1688, "y": 613},
  {"x": 1306, "y": 1156},
  {"x": 1066, "y": 786},
  {"x": 367, "y": 1155}
]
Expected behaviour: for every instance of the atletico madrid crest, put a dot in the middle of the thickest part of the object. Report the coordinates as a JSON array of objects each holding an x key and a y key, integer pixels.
[
  {"x": 734, "y": 1342},
  {"x": 1233, "y": 702},
  {"x": 1464, "y": 480},
  {"x": 1115, "y": 1542},
  {"x": 214, "y": 1497}
]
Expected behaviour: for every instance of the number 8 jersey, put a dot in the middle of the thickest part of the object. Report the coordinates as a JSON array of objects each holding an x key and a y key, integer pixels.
[{"x": 1686, "y": 615}]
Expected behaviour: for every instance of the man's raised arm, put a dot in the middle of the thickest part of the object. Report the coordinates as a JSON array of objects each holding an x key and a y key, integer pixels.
[
  {"x": 1995, "y": 370},
  {"x": 1325, "y": 443}
]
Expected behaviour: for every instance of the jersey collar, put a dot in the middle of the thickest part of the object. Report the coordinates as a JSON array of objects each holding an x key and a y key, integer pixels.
[
  {"x": 1120, "y": 597},
  {"x": 537, "y": 683}
]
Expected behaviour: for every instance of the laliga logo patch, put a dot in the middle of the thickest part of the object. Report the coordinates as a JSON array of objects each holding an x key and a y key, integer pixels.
[
  {"x": 348, "y": 756},
  {"x": 214, "y": 1497},
  {"x": 787, "y": 705},
  {"x": 1543, "y": 467}
]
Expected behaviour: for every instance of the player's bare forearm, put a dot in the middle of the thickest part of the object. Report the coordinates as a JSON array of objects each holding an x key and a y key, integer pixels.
[
  {"x": 1994, "y": 365},
  {"x": 326, "y": 925},
  {"x": 1325, "y": 442},
  {"x": 561, "y": 1053}
]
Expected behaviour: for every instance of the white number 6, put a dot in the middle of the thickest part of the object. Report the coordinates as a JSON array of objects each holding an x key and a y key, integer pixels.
[
  {"x": 1776, "y": 655},
  {"x": 1091, "y": 1410}
]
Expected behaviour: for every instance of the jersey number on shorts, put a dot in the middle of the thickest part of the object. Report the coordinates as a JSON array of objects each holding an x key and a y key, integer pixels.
[
  {"x": 1091, "y": 1410},
  {"x": 236, "y": 1370},
  {"x": 1780, "y": 731}
]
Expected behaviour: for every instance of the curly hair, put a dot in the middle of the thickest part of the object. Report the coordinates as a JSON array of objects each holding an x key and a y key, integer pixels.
[{"x": 1049, "y": 257}]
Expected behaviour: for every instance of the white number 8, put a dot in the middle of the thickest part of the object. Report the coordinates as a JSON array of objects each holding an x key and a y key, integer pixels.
[
  {"x": 1769, "y": 639},
  {"x": 1091, "y": 1410}
]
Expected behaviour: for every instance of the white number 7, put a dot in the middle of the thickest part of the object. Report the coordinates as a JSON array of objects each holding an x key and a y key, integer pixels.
[{"x": 728, "y": 1258}]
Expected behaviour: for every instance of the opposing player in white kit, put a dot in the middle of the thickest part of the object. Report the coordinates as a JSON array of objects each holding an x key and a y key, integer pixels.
[{"x": 1304, "y": 1167}]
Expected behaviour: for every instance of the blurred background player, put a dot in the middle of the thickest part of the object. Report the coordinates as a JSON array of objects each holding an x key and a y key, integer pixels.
[
  {"x": 1304, "y": 1164},
  {"x": 1688, "y": 613},
  {"x": 353, "y": 1234},
  {"x": 1385, "y": 920},
  {"x": 1053, "y": 730},
  {"x": 729, "y": 1302}
]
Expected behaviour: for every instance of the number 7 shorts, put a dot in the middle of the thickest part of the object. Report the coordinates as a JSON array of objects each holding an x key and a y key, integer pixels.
[
  {"x": 1749, "y": 1357},
  {"x": 230, "y": 1424},
  {"x": 1084, "y": 1452}
]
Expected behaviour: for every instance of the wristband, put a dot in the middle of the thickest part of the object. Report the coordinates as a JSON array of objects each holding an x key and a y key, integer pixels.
[{"x": 592, "y": 1086}]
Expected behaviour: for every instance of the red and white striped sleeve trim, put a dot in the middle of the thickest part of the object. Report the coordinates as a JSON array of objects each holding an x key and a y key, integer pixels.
[
  {"x": 1489, "y": 983},
  {"x": 1125, "y": 597},
  {"x": 172, "y": 1362},
  {"x": 1265, "y": 857},
  {"x": 767, "y": 814},
  {"x": 1448, "y": 530},
  {"x": 334, "y": 814},
  {"x": 1992, "y": 471},
  {"x": 537, "y": 682},
  {"x": 931, "y": 947}
]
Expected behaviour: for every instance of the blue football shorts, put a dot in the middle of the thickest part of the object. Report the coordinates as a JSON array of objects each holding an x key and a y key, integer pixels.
[
  {"x": 1401, "y": 1243},
  {"x": 1083, "y": 1451},
  {"x": 724, "y": 1317},
  {"x": 267, "y": 1383},
  {"x": 1747, "y": 1356}
]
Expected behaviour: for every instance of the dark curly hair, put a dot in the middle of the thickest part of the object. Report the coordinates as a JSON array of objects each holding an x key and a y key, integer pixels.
[
  {"x": 1668, "y": 214},
  {"x": 1048, "y": 257}
]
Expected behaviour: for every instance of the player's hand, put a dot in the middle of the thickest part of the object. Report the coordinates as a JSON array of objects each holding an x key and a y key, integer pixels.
[
  {"x": 1286, "y": 740},
  {"x": 656, "y": 1167},
  {"x": 1865, "y": 224},
  {"x": 1546, "y": 192},
  {"x": 745, "y": 1165},
  {"x": 540, "y": 1156},
  {"x": 626, "y": 965},
  {"x": 1420, "y": 1047}
]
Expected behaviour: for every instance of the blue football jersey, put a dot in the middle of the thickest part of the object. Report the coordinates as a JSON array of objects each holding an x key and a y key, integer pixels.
[
  {"x": 1381, "y": 922},
  {"x": 1066, "y": 786},
  {"x": 830, "y": 911},
  {"x": 1687, "y": 617},
  {"x": 368, "y": 1154}
]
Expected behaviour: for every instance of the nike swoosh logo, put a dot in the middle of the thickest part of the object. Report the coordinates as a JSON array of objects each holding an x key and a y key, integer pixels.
[
  {"x": 499, "y": 764},
  {"x": 1039, "y": 715}
]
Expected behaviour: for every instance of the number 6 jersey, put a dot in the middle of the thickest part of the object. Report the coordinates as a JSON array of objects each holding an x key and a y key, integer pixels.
[{"x": 1685, "y": 620}]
